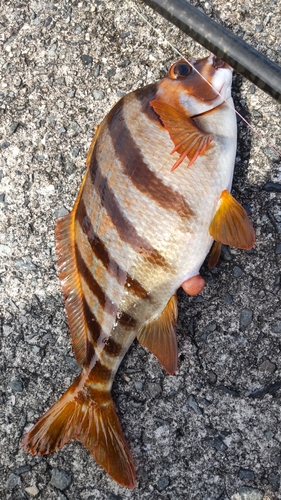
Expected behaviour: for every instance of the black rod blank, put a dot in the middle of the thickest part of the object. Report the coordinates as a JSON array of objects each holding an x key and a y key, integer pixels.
[{"x": 247, "y": 61}]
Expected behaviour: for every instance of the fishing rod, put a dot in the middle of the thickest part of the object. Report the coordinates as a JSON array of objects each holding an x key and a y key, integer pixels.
[{"x": 246, "y": 60}]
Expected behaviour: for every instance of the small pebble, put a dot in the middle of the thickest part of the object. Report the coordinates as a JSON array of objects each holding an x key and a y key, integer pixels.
[
  {"x": 154, "y": 389},
  {"x": 276, "y": 327},
  {"x": 278, "y": 249},
  {"x": 52, "y": 120},
  {"x": 272, "y": 187},
  {"x": 71, "y": 93},
  {"x": 96, "y": 70},
  {"x": 138, "y": 385},
  {"x": 237, "y": 271},
  {"x": 32, "y": 490},
  {"x": 228, "y": 298},
  {"x": 22, "y": 469},
  {"x": 110, "y": 72},
  {"x": 246, "y": 474},
  {"x": 246, "y": 317},
  {"x": 60, "y": 479},
  {"x": 192, "y": 403},
  {"x": 225, "y": 253},
  {"x": 53, "y": 50},
  {"x": 60, "y": 80},
  {"x": 212, "y": 376},
  {"x": 217, "y": 443},
  {"x": 16, "y": 385},
  {"x": 13, "y": 481},
  {"x": 60, "y": 212},
  {"x": 211, "y": 327},
  {"x": 75, "y": 128},
  {"x": 248, "y": 493},
  {"x": 268, "y": 366},
  {"x": 228, "y": 390},
  {"x": 269, "y": 434},
  {"x": 87, "y": 60},
  {"x": 75, "y": 152},
  {"x": 61, "y": 130},
  {"x": 98, "y": 94},
  {"x": 72, "y": 364},
  {"x": 17, "y": 81},
  {"x": 163, "y": 483},
  {"x": 274, "y": 479},
  {"x": 13, "y": 127}
]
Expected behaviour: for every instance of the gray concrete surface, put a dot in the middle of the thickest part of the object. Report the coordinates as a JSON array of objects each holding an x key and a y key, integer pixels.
[{"x": 213, "y": 430}]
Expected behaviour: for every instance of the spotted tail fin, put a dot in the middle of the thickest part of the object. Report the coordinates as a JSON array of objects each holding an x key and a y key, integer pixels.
[{"x": 92, "y": 422}]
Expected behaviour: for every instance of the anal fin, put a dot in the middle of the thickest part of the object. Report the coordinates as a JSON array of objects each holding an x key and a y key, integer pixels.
[
  {"x": 159, "y": 336},
  {"x": 231, "y": 224},
  {"x": 214, "y": 255}
]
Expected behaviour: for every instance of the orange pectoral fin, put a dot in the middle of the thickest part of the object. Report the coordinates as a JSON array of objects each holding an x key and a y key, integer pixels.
[
  {"x": 189, "y": 140},
  {"x": 231, "y": 225},
  {"x": 160, "y": 338}
]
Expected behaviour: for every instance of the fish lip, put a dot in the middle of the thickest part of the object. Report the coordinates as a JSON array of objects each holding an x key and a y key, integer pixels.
[{"x": 218, "y": 92}]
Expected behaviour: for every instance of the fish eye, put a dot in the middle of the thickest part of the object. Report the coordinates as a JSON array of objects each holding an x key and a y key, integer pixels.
[{"x": 179, "y": 70}]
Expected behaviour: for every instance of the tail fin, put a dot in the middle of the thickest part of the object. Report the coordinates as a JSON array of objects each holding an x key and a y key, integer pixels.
[{"x": 92, "y": 422}]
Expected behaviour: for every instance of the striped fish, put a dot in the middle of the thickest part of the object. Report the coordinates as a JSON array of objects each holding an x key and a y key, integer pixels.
[{"x": 154, "y": 198}]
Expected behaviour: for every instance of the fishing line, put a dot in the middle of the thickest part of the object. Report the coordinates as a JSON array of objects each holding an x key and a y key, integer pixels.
[{"x": 161, "y": 36}]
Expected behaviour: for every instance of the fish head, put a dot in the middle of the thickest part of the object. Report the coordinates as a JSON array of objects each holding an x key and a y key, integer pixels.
[{"x": 184, "y": 88}]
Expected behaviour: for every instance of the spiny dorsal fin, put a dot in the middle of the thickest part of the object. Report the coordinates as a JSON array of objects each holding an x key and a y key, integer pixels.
[
  {"x": 159, "y": 336},
  {"x": 189, "y": 140},
  {"x": 231, "y": 225},
  {"x": 70, "y": 281}
]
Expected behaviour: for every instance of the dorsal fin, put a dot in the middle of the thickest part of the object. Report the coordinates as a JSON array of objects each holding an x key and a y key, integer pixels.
[
  {"x": 70, "y": 280},
  {"x": 189, "y": 140},
  {"x": 231, "y": 225},
  {"x": 159, "y": 336}
]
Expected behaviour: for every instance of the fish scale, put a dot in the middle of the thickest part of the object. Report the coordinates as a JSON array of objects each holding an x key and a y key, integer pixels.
[{"x": 142, "y": 225}]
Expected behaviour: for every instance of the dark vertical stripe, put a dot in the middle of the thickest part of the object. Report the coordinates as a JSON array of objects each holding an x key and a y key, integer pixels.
[
  {"x": 134, "y": 166},
  {"x": 110, "y": 345},
  {"x": 92, "y": 322},
  {"x": 123, "y": 226},
  {"x": 93, "y": 285},
  {"x": 100, "y": 373},
  {"x": 105, "y": 302},
  {"x": 145, "y": 95},
  {"x": 102, "y": 254}
]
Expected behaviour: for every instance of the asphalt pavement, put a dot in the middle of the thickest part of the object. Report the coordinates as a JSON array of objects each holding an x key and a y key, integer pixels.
[{"x": 212, "y": 431}]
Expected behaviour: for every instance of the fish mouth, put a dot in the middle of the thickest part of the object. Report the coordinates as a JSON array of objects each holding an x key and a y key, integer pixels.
[
  {"x": 217, "y": 94},
  {"x": 225, "y": 99}
]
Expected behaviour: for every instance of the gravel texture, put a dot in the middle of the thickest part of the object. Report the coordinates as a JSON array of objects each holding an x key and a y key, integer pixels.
[{"x": 211, "y": 432}]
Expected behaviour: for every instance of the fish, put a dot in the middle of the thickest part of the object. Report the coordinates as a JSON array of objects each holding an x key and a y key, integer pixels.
[{"x": 154, "y": 199}]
